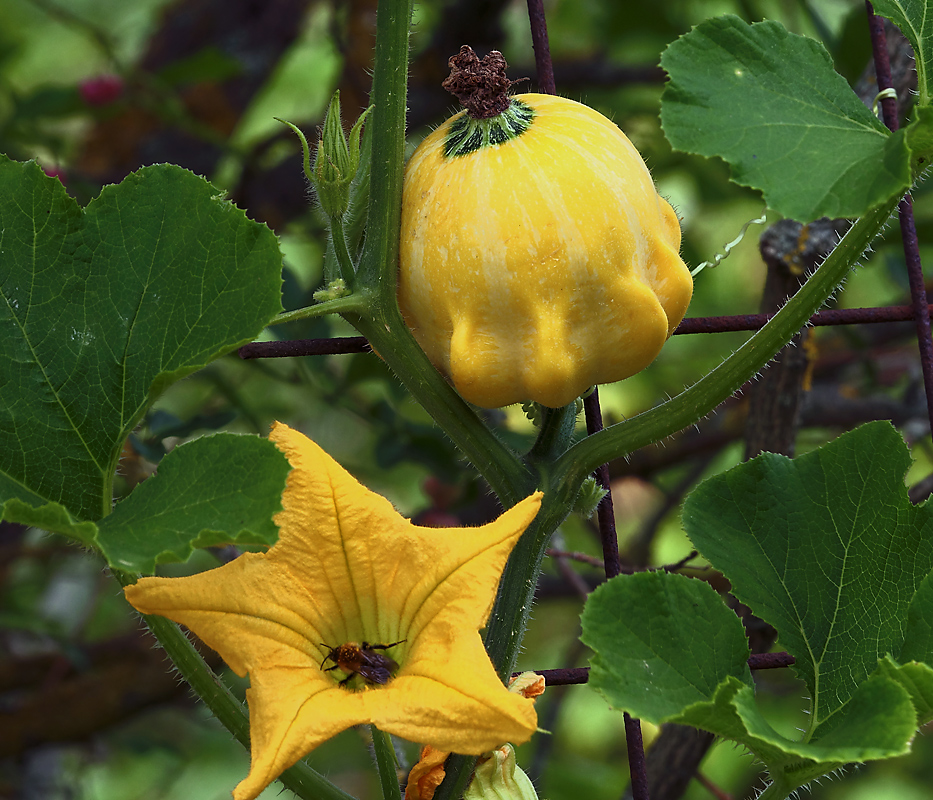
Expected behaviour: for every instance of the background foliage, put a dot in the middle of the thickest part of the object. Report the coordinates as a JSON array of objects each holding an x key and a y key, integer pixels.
[{"x": 95, "y": 90}]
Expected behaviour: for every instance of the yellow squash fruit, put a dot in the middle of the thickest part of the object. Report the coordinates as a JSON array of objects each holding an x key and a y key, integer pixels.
[{"x": 537, "y": 258}]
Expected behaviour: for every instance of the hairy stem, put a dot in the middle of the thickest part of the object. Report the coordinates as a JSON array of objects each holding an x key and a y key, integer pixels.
[{"x": 356, "y": 303}]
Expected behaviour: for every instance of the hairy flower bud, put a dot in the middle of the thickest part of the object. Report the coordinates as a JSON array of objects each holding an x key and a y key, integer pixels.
[{"x": 336, "y": 160}]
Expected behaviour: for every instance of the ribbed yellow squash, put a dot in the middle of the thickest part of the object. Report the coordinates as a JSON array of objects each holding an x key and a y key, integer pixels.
[{"x": 536, "y": 266}]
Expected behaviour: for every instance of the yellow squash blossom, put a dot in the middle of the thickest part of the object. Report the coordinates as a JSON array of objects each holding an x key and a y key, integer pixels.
[{"x": 348, "y": 569}]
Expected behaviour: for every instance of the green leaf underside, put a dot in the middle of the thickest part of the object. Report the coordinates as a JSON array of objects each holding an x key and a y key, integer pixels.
[
  {"x": 915, "y": 19},
  {"x": 219, "y": 489},
  {"x": 878, "y": 723},
  {"x": 661, "y": 642},
  {"x": 827, "y": 548},
  {"x": 101, "y": 309},
  {"x": 769, "y": 103}
]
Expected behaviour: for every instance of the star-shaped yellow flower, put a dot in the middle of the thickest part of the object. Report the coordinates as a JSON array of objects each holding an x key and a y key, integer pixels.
[{"x": 349, "y": 569}]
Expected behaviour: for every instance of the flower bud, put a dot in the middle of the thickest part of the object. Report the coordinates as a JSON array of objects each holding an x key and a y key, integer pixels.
[
  {"x": 336, "y": 161},
  {"x": 498, "y": 777}
]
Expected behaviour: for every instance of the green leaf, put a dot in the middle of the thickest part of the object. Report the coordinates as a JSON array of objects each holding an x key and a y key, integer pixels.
[
  {"x": 769, "y": 103},
  {"x": 667, "y": 649},
  {"x": 219, "y": 489},
  {"x": 661, "y": 642},
  {"x": 920, "y": 136},
  {"x": 49, "y": 516},
  {"x": 915, "y": 19},
  {"x": 879, "y": 722},
  {"x": 101, "y": 309},
  {"x": 917, "y": 679},
  {"x": 918, "y": 638},
  {"x": 827, "y": 548}
]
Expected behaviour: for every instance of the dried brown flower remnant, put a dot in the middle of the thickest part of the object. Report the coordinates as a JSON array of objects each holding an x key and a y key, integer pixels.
[{"x": 480, "y": 85}]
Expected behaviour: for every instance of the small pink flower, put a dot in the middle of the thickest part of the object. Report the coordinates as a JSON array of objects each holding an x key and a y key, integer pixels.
[{"x": 101, "y": 91}]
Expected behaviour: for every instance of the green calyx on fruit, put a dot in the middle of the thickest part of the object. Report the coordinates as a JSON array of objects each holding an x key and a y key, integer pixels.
[
  {"x": 490, "y": 117},
  {"x": 467, "y": 135}
]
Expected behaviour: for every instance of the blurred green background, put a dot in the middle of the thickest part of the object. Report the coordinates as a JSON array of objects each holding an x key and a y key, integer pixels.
[{"x": 94, "y": 89}]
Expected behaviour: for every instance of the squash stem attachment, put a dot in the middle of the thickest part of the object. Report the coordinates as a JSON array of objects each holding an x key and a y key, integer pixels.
[{"x": 557, "y": 426}]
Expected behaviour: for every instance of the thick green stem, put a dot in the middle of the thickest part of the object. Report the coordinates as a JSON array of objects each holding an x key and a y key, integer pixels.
[
  {"x": 778, "y": 789},
  {"x": 557, "y": 426},
  {"x": 386, "y": 764},
  {"x": 382, "y": 324},
  {"x": 301, "y": 779},
  {"x": 693, "y": 404},
  {"x": 379, "y": 260}
]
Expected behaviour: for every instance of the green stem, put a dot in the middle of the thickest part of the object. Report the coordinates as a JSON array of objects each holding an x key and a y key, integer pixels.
[
  {"x": 347, "y": 272},
  {"x": 509, "y": 619},
  {"x": 509, "y": 478},
  {"x": 356, "y": 303},
  {"x": 300, "y": 778},
  {"x": 458, "y": 771},
  {"x": 382, "y": 324},
  {"x": 691, "y": 405},
  {"x": 386, "y": 763},
  {"x": 379, "y": 260},
  {"x": 557, "y": 426},
  {"x": 778, "y": 789}
]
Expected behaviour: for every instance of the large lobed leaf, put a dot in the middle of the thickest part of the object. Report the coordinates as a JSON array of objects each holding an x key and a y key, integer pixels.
[
  {"x": 770, "y": 104},
  {"x": 661, "y": 643},
  {"x": 827, "y": 548},
  {"x": 100, "y": 310}
]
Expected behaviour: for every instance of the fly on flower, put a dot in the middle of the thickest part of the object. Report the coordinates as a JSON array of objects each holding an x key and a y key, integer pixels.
[{"x": 353, "y": 659}]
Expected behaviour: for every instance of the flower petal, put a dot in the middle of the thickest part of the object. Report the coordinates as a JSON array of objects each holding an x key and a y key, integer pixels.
[
  {"x": 288, "y": 720},
  {"x": 453, "y": 700},
  {"x": 349, "y": 569}
]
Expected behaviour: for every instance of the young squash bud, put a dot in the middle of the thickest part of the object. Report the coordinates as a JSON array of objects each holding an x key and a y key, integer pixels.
[
  {"x": 336, "y": 160},
  {"x": 498, "y": 777},
  {"x": 537, "y": 258}
]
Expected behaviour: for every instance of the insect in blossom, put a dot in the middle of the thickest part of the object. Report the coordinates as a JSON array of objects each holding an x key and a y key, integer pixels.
[{"x": 363, "y": 660}]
